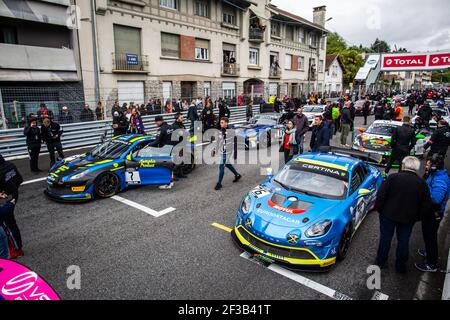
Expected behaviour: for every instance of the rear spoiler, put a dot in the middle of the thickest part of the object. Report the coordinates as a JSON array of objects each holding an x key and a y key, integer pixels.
[{"x": 364, "y": 156}]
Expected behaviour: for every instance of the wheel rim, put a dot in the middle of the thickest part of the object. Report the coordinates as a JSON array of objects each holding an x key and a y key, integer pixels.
[{"x": 107, "y": 185}]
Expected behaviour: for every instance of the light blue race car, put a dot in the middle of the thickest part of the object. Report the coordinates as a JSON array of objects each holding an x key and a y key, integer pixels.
[{"x": 306, "y": 215}]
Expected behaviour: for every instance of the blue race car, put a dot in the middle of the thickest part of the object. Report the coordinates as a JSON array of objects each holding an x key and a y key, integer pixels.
[
  {"x": 306, "y": 216},
  {"x": 257, "y": 132},
  {"x": 109, "y": 168}
]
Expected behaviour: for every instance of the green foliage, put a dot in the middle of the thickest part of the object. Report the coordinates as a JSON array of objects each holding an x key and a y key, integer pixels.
[
  {"x": 335, "y": 43},
  {"x": 441, "y": 76},
  {"x": 380, "y": 46},
  {"x": 352, "y": 61}
]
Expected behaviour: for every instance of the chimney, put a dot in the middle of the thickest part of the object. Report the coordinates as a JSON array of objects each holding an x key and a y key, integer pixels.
[{"x": 319, "y": 15}]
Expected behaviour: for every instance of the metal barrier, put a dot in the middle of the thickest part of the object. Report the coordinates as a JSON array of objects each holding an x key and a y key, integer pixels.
[{"x": 84, "y": 134}]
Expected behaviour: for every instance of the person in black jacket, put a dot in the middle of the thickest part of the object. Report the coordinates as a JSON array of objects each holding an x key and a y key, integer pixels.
[
  {"x": 192, "y": 116},
  {"x": 163, "y": 134},
  {"x": 34, "y": 139},
  {"x": 120, "y": 123},
  {"x": 346, "y": 123},
  {"x": 425, "y": 113},
  {"x": 224, "y": 111},
  {"x": 10, "y": 181},
  {"x": 440, "y": 140},
  {"x": 208, "y": 116},
  {"x": 403, "y": 199},
  {"x": 86, "y": 114},
  {"x": 51, "y": 135},
  {"x": 403, "y": 141},
  {"x": 379, "y": 111},
  {"x": 321, "y": 134}
]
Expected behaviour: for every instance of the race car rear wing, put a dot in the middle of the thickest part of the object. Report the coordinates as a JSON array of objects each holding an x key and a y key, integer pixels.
[{"x": 364, "y": 156}]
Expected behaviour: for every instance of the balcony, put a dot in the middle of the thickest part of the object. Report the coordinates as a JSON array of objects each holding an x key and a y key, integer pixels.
[
  {"x": 275, "y": 73},
  {"x": 32, "y": 63},
  {"x": 230, "y": 69},
  {"x": 256, "y": 35},
  {"x": 127, "y": 62}
]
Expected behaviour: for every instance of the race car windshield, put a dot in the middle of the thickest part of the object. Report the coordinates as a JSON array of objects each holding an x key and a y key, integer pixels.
[
  {"x": 109, "y": 150},
  {"x": 312, "y": 109},
  {"x": 264, "y": 122},
  {"x": 310, "y": 183},
  {"x": 381, "y": 129}
]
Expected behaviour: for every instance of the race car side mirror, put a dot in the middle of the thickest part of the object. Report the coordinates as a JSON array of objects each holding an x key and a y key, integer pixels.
[
  {"x": 420, "y": 136},
  {"x": 363, "y": 192},
  {"x": 362, "y": 130}
]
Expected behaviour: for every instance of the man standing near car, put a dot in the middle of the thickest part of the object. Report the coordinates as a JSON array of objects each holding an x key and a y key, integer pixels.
[
  {"x": 321, "y": 134},
  {"x": 403, "y": 199},
  {"x": 440, "y": 140},
  {"x": 51, "y": 135},
  {"x": 366, "y": 110},
  {"x": 301, "y": 128},
  {"x": 34, "y": 139},
  {"x": 403, "y": 141},
  {"x": 379, "y": 111},
  {"x": 346, "y": 123},
  {"x": 163, "y": 134}
]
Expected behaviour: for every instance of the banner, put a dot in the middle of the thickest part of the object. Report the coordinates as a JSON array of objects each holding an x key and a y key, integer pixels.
[{"x": 415, "y": 61}]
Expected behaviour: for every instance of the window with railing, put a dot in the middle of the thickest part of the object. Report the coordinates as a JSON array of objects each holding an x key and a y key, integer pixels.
[
  {"x": 275, "y": 29},
  {"x": 253, "y": 57}
]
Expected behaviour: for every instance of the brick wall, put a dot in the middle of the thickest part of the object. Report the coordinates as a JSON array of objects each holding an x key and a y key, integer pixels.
[
  {"x": 187, "y": 48},
  {"x": 294, "y": 63}
]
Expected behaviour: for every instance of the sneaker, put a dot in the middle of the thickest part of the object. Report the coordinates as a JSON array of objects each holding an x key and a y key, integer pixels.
[
  {"x": 218, "y": 187},
  {"x": 422, "y": 253},
  {"x": 237, "y": 178},
  {"x": 425, "y": 267},
  {"x": 166, "y": 187}
]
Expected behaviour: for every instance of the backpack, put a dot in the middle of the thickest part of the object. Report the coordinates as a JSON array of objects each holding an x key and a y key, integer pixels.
[{"x": 335, "y": 113}]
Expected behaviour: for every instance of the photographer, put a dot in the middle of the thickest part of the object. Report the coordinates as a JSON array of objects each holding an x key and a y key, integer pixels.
[{"x": 439, "y": 184}]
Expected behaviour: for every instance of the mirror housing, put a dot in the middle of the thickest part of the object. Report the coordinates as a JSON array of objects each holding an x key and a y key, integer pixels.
[{"x": 364, "y": 192}]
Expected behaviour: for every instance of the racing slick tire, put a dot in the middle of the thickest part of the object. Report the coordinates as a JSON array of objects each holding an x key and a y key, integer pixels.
[
  {"x": 344, "y": 243},
  {"x": 106, "y": 185}
]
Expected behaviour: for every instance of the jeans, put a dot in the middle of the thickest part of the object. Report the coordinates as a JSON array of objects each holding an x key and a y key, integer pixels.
[
  {"x": 222, "y": 166},
  {"x": 4, "y": 250},
  {"x": 345, "y": 130},
  {"x": 299, "y": 138},
  {"x": 430, "y": 227},
  {"x": 403, "y": 231}
]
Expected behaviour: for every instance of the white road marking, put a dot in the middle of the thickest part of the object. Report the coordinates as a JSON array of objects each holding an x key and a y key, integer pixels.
[
  {"x": 145, "y": 209},
  {"x": 33, "y": 181},
  {"x": 304, "y": 281}
]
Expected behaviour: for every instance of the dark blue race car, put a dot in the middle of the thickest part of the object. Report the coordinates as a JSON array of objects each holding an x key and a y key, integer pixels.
[
  {"x": 110, "y": 168},
  {"x": 258, "y": 132},
  {"x": 306, "y": 216}
]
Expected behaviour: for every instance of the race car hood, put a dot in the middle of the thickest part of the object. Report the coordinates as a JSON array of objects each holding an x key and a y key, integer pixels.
[
  {"x": 251, "y": 130},
  {"x": 76, "y": 164},
  {"x": 375, "y": 142},
  {"x": 275, "y": 209}
]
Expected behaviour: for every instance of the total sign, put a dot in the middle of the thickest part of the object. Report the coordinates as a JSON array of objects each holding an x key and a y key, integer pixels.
[{"x": 411, "y": 61}]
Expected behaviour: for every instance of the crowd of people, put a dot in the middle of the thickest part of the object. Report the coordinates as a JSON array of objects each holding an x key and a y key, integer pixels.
[{"x": 427, "y": 194}]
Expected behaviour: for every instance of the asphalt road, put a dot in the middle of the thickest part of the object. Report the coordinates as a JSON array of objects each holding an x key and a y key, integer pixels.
[{"x": 124, "y": 253}]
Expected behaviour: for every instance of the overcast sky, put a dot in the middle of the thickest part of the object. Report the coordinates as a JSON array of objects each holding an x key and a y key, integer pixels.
[{"x": 417, "y": 25}]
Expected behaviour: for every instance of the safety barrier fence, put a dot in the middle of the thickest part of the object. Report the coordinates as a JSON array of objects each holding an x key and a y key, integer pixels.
[{"x": 84, "y": 134}]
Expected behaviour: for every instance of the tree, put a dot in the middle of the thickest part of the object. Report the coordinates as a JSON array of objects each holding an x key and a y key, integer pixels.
[
  {"x": 352, "y": 61},
  {"x": 380, "y": 46},
  {"x": 335, "y": 43}
]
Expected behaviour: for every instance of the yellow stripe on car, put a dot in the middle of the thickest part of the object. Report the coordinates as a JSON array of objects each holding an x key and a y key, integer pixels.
[{"x": 323, "y": 164}]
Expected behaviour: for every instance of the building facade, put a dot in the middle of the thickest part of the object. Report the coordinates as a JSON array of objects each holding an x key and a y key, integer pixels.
[
  {"x": 39, "y": 58},
  {"x": 195, "y": 48},
  {"x": 334, "y": 75}
]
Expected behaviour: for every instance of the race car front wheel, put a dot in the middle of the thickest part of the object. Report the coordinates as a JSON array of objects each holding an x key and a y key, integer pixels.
[
  {"x": 344, "y": 244},
  {"x": 106, "y": 185}
]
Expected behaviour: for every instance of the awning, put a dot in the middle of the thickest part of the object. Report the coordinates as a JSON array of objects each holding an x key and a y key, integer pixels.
[
  {"x": 38, "y": 11},
  {"x": 32, "y": 75}
]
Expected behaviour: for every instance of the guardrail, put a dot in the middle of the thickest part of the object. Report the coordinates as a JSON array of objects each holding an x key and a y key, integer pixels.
[{"x": 83, "y": 134}]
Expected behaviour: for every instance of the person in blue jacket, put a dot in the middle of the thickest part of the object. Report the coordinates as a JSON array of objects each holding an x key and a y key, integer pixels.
[
  {"x": 321, "y": 134},
  {"x": 438, "y": 182},
  {"x": 5, "y": 210}
]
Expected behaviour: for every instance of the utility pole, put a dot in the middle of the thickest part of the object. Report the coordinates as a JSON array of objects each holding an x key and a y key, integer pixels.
[{"x": 94, "y": 50}]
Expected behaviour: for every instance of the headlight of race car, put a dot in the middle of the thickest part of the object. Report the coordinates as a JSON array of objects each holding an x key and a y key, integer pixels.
[
  {"x": 79, "y": 175},
  {"x": 245, "y": 207},
  {"x": 318, "y": 229}
]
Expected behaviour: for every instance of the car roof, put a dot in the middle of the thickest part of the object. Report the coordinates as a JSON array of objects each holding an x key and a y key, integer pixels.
[
  {"x": 330, "y": 160},
  {"x": 395, "y": 123},
  {"x": 131, "y": 138}
]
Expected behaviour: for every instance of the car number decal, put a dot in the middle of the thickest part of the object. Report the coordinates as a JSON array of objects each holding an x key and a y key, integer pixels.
[
  {"x": 260, "y": 192},
  {"x": 132, "y": 177}
]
